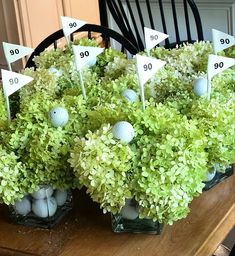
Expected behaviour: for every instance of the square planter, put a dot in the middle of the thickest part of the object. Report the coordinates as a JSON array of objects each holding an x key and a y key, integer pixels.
[
  {"x": 42, "y": 210},
  {"x": 146, "y": 226},
  {"x": 128, "y": 220}
]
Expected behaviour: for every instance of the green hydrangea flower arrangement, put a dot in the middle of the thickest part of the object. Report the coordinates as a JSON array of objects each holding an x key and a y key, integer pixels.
[
  {"x": 12, "y": 177},
  {"x": 177, "y": 139},
  {"x": 37, "y": 144},
  {"x": 175, "y": 87}
]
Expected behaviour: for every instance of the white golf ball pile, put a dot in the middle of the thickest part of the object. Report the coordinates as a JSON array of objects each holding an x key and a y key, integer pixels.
[{"x": 42, "y": 203}]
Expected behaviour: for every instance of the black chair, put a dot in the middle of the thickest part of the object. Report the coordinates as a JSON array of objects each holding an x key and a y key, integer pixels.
[
  {"x": 132, "y": 16},
  {"x": 106, "y": 34}
]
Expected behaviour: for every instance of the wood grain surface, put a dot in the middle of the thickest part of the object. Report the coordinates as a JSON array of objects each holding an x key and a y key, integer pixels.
[{"x": 87, "y": 232}]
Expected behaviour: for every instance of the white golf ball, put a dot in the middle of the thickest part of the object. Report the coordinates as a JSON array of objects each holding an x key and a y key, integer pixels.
[
  {"x": 59, "y": 116},
  {"x": 52, "y": 206},
  {"x": 23, "y": 206},
  {"x": 44, "y": 207},
  {"x": 55, "y": 71},
  {"x": 43, "y": 192},
  {"x": 210, "y": 175},
  {"x": 129, "y": 212},
  {"x": 40, "y": 208},
  {"x": 200, "y": 86},
  {"x": 61, "y": 197},
  {"x": 130, "y": 95},
  {"x": 123, "y": 131}
]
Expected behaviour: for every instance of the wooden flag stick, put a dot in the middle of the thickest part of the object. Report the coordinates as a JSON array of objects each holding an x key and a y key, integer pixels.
[
  {"x": 82, "y": 84},
  {"x": 8, "y": 109},
  {"x": 141, "y": 93},
  {"x": 208, "y": 87},
  {"x": 9, "y": 66},
  {"x": 142, "y": 97}
]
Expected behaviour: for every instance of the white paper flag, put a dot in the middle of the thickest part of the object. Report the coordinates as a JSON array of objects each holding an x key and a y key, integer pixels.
[
  {"x": 14, "y": 52},
  {"x": 153, "y": 37},
  {"x": 217, "y": 64},
  {"x": 147, "y": 67},
  {"x": 70, "y": 25},
  {"x": 221, "y": 40},
  {"x": 85, "y": 55},
  {"x": 13, "y": 81}
]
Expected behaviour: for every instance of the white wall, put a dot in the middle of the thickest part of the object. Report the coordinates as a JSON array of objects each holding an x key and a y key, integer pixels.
[{"x": 217, "y": 14}]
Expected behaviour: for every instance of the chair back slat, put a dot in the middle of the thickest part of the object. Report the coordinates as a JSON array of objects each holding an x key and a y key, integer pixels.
[
  {"x": 106, "y": 34},
  {"x": 177, "y": 35},
  {"x": 187, "y": 21},
  {"x": 129, "y": 34},
  {"x": 122, "y": 15},
  {"x": 139, "y": 40},
  {"x": 106, "y": 40},
  {"x": 118, "y": 16},
  {"x": 150, "y": 14},
  {"x": 139, "y": 43},
  {"x": 55, "y": 44},
  {"x": 167, "y": 43},
  {"x": 103, "y": 13},
  {"x": 140, "y": 14},
  {"x": 197, "y": 18}
]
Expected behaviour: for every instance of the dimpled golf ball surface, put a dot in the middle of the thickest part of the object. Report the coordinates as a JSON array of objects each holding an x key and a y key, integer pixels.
[
  {"x": 44, "y": 207},
  {"x": 52, "y": 206},
  {"x": 130, "y": 95},
  {"x": 200, "y": 86},
  {"x": 129, "y": 212},
  {"x": 23, "y": 206},
  {"x": 40, "y": 208},
  {"x": 61, "y": 197},
  {"x": 210, "y": 175},
  {"x": 59, "y": 116},
  {"x": 43, "y": 192},
  {"x": 123, "y": 131}
]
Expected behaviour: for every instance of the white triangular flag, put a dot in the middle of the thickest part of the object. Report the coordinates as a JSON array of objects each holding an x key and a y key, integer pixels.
[
  {"x": 217, "y": 64},
  {"x": 85, "y": 55},
  {"x": 153, "y": 37},
  {"x": 14, "y": 52},
  {"x": 13, "y": 81},
  {"x": 147, "y": 67},
  {"x": 70, "y": 25},
  {"x": 221, "y": 40}
]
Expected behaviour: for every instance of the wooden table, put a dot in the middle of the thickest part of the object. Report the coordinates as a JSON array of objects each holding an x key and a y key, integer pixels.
[{"x": 87, "y": 232}]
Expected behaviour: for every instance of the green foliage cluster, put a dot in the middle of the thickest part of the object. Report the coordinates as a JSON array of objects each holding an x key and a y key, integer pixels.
[
  {"x": 12, "y": 177},
  {"x": 104, "y": 166},
  {"x": 157, "y": 168}
]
